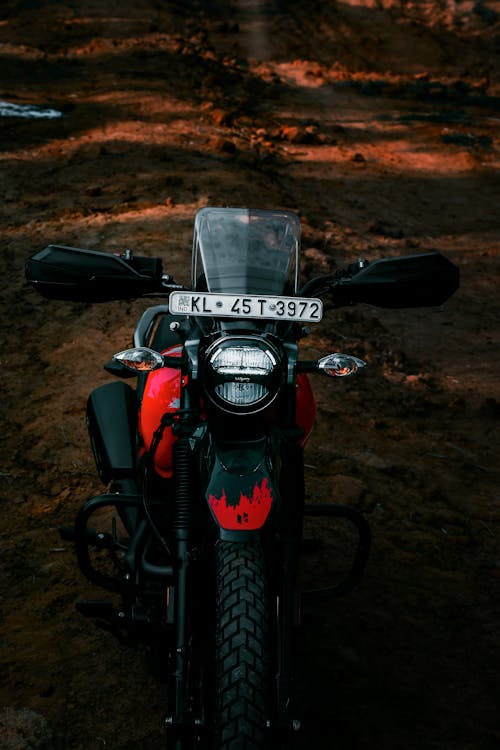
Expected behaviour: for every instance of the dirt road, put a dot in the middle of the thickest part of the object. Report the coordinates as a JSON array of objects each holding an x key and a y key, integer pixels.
[{"x": 377, "y": 121}]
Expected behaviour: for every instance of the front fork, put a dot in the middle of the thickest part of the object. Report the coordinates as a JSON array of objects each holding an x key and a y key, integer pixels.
[
  {"x": 290, "y": 535},
  {"x": 179, "y": 723}
]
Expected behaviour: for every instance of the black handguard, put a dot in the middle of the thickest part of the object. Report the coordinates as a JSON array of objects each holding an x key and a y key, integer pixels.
[
  {"x": 70, "y": 273},
  {"x": 423, "y": 280}
]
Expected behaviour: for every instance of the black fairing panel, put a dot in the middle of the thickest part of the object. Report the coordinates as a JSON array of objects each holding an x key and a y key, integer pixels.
[
  {"x": 112, "y": 424},
  {"x": 71, "y": 273},
  {"x": 412, "y": 281}
]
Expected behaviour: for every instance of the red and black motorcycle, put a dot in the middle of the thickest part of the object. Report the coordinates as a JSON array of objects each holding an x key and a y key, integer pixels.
[{"x": 204, "y": 460}]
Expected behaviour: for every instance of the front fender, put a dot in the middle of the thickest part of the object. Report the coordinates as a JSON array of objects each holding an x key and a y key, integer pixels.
[{"x": 241, "y": 491}]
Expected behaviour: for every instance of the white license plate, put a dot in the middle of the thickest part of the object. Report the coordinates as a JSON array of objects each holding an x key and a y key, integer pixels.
[{"x": 303, "y": 309}]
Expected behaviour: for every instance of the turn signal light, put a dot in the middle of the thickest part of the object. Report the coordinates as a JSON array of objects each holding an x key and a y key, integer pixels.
[{"x": 339, "y": 365}]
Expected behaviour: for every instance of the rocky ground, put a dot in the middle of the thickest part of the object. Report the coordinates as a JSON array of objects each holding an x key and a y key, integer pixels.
[{"x": 377, "y": 121}]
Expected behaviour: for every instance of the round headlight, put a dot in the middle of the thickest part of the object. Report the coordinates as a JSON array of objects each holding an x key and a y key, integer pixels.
[{"x": 242, "y": 375}]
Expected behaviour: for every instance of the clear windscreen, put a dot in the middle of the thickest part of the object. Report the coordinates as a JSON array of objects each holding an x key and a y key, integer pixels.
[{"x": 245, "y": 251}]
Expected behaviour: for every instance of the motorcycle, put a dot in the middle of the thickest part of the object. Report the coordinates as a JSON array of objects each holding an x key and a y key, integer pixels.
[{"x": 203, "y": 461}]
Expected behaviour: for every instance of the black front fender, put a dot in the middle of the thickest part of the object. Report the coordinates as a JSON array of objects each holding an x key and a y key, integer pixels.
[{"x": 241, "y": 491}]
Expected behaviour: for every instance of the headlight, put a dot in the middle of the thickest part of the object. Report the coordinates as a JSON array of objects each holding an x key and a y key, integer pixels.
[{"x": 242, "y": 375}]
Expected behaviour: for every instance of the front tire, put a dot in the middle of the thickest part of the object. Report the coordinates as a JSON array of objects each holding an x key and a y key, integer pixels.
[{"x": 242, "y": 647}]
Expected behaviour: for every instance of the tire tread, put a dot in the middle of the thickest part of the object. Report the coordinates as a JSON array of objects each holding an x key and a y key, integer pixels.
[{"x": 242, "y": 653}]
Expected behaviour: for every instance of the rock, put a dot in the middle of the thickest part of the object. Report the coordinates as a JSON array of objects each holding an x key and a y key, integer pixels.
[
  {"x": 358, "y": 158},
  {"x": 386, "y": 229},
  {"x": 299, "y": 133},
  {"x": 219, "y": 116},
  {"x": 223, "y": 145}
]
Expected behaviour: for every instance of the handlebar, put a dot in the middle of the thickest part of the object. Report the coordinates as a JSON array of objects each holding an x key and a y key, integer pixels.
[{"x": 67, "y": 273}]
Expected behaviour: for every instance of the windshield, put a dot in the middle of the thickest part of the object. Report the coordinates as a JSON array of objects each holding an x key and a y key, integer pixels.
[{"x": 246, "y": 251}]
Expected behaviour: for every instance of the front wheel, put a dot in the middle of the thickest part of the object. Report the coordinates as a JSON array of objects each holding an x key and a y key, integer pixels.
[{"x": 241, "y": 647}]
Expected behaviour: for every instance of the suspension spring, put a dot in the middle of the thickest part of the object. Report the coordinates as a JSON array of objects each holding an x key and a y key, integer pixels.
[{"x": 183, "y": 487}]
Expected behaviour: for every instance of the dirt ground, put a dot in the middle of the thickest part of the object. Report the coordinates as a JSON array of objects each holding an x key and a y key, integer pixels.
[{"x": 378, "y": 122}]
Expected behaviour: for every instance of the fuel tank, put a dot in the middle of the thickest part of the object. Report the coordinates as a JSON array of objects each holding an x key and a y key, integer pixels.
[{"x": 163, "y": 395}]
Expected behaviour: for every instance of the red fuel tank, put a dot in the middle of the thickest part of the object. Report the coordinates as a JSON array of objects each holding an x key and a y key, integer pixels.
[{"x": 162, "y": 395}]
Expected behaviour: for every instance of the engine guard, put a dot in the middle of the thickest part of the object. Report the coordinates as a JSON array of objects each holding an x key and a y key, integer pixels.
[
  {"x": 86, "y": 538},
  {"x": 241, "y": 491}
]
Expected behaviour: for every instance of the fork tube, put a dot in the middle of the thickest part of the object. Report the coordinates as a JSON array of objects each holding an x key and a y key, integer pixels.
[
  {"x": 292, "y": 487},
  {"x": 286, "y": 687},
  {"x": 182, "y": 531}
]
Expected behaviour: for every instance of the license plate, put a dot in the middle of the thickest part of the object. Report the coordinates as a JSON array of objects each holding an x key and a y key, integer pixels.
[{"x": 302, "y": 309}]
